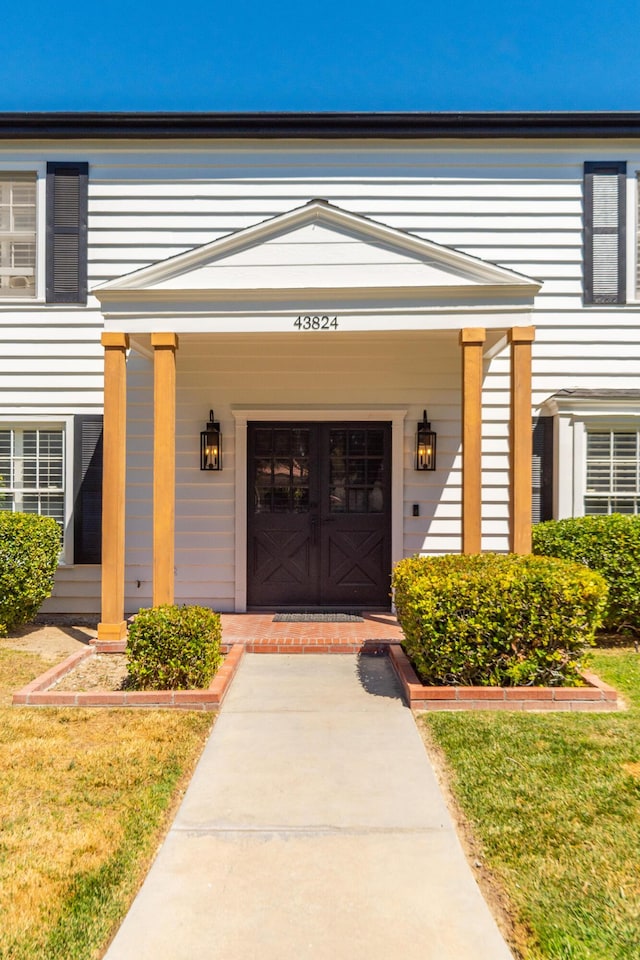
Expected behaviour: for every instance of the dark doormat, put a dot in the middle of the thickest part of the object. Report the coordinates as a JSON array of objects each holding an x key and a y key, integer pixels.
[{"x": 318, "y": 618}]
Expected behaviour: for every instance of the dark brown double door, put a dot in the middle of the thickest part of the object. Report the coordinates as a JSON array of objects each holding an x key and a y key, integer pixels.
[{"x": 319, "y": 517}]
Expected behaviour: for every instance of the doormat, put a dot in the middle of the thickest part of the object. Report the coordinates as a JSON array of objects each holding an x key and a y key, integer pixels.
[{"x": 318, "y": 618}]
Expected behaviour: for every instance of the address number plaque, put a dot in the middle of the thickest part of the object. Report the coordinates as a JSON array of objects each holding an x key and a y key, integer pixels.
[{"x": 315, "y": 321}]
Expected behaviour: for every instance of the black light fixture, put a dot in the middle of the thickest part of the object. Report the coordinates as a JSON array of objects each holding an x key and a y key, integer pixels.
[
  {"x": 211, "y": 446},
  {"x": 425, "y": 445}
]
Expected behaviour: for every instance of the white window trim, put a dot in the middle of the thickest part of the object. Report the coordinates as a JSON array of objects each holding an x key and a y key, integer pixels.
[
  {"x": 242, "y": 415},
  {"x": 18, "y": 422},
  {"x": 630, "y": 423},
  {"x": 570, "y": 454},
  {"x": 40, "y": 170}
]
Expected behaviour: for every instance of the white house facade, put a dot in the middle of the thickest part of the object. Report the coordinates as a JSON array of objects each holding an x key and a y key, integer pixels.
[{"x": 317, "y": 296}]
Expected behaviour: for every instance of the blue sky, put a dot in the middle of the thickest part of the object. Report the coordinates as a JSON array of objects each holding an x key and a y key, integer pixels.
[{"x": 307, "y": 55}]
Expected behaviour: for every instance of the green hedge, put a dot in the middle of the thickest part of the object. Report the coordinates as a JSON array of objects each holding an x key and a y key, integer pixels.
[
  {"x": 496, "y": 620},
  {"x": 173, "y": 648},
  {"x": 29, "y": 552},
  {"x": 610, "y": 545}
]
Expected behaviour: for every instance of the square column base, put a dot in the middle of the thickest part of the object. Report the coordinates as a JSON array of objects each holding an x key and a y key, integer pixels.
[{"x": 110, "y": 632}]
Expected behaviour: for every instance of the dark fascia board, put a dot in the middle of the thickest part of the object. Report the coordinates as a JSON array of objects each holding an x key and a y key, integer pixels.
[
  {"x": 342, "y": 126},
  {"x": 580, "y": 393}
]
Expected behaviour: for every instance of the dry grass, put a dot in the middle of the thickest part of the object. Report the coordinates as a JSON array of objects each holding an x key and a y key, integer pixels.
[
  {"x": 84, "y": 796},
  {"x": 16, "y": 671}
]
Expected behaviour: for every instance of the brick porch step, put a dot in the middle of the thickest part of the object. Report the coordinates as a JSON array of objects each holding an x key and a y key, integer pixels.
[{"x": 259, "y": 634}]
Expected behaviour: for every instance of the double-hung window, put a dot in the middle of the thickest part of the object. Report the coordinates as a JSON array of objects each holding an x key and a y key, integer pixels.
[
  {"x": 43, "y": 233},
  {"x": 17, "y": 235},
  {"x": 613, "y": 471},
  {"x": 32, "y": 471}
]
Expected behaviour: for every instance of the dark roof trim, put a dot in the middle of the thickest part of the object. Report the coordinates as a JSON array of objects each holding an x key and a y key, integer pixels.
[
  {"x": 400, "y": 126},
  {"x": 580, "y": 393}
]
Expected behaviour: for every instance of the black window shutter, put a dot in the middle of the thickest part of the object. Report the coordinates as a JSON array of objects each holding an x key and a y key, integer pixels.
[
  {"x": 88, "y": 490},
  {"x": 605, "y": 274},
  {"x": 542, "y": 470},
  {"x": 67, "y": 189}
]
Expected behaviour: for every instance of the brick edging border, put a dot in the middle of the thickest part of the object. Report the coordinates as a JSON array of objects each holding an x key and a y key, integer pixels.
[
  {"x": 597, "y": 696},
  {"x": 38, "y": 693}
]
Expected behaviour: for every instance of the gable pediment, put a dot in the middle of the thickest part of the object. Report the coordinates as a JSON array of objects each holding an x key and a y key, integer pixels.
[{"x": 318, "y": 247}]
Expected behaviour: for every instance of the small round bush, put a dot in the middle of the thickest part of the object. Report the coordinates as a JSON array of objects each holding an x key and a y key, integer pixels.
[
  {"x": 497, "y": 620},
  {"x": 29, "y": 552},
  {"x": 608, "y": 544},
  {"x": 173, "y": 648}
]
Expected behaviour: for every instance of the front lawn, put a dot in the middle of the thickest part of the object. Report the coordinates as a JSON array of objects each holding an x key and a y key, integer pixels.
[
  {"x": 84, "y": 798},
  {"x": 554, "y": 803}
]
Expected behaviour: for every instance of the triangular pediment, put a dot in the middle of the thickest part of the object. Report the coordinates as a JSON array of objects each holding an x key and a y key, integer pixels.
[{"x": 318, "y": 247}]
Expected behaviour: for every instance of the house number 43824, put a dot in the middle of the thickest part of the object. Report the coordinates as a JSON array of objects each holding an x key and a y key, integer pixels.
[{"x": 315, "y": 322}]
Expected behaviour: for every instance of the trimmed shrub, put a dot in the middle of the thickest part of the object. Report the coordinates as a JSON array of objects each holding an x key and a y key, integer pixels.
[
  {"x": 29, "y": 552},
  {"x": 608, "y": 544},
  {"x": 496, "y": 620},
  {"x": 173, "y": 648}
]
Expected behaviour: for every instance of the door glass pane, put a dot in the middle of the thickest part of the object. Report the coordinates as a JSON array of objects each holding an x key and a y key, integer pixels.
[
  {"x": 376, "y": 497},
  {"x": 281, "y": 470},
  {"x": 281, "y": 442},
  {"x": 263, "y": 472},
  {"x": 299, "y": 472},
  {"x": 356, "y": 471},
  {"x": 262, "y": 442},
  {"x": 357, "y": 442},
  {"x": 338, "y": 496},
  {"x": 375, "y": 443},
  {"x": 300, "y": 443},
  {"x": 282, "y": 473},
  {"x": 357, "y": 501},
  {"x": 300, "y": 503}
]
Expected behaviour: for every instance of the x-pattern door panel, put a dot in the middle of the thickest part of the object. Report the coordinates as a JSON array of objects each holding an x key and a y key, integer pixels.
[{"x": 319, "y": 514}]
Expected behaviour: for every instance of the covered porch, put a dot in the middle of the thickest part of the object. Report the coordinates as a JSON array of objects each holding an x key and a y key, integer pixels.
[{"x": 398, "y": 292}]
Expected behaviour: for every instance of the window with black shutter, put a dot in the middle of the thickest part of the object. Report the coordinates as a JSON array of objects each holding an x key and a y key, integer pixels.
[
  {"x": 604, "y": 232},
  {"x": 67, "y": 187},
  {"x": 542, "y": 470},
  {"x": 88, "y": 492}
]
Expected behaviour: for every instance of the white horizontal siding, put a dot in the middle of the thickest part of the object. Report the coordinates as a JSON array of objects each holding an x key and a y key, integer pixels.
[
  {"x": 76, "y": 590},
  {"x": 517, "y": 204},
  {"x": 343, "y": 371},
  {"x": 486, "y": 213}
]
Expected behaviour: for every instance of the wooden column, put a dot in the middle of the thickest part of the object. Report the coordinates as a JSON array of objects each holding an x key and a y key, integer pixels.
[
  {"x": 112, "y": 626},
  {"x": 164, "y": 465},
  {"x": 471, "y": 341},
  {"x": 521, "y": 339}
]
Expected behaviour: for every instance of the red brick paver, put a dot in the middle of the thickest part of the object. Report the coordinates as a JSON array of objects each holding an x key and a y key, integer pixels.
[
  {"x": 259, "y": 634},
  {"x": 598, "y": 696}
]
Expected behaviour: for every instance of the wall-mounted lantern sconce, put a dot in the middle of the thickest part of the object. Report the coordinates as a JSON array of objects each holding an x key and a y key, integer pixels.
[
  {"x": 425, "y": 445},
  {"x": 211, "y": 446}
]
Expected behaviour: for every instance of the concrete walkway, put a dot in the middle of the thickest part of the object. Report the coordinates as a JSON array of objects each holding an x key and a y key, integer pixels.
[{"x": 313, "y": 827}]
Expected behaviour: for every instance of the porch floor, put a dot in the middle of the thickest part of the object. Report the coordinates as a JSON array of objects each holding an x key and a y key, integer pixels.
[{"x": 260, "y": 634}]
